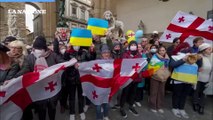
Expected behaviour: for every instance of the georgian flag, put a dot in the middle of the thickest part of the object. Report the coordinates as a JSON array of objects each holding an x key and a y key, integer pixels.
[
  {"x": 101, "y": 79},
  {"x": 28, "y": 88},
  {"x": 188, "y": 27}
]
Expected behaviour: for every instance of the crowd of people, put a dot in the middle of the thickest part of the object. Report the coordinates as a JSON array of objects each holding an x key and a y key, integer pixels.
[{"x": 18, "y": 58}]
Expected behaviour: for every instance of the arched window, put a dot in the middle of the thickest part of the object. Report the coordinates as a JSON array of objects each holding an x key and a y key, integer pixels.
[{"x": 2, "y": 13}]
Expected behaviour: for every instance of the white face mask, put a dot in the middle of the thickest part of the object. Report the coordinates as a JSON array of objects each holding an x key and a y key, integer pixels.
[
  {"x": 133, "y": 48},
  {"x": 76, "y": 48},
  {"x": 153, "y": 50},
  {"x": 38, "y": 53},
  {"x": 63, "y": 51}
]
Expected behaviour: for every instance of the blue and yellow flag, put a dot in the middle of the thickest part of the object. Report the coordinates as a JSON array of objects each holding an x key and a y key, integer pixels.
[
  {"x": 97, "y": 26},
  {"x": 81, "y": 37}
]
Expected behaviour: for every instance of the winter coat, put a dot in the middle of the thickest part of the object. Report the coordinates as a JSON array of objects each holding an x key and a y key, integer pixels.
[
  {"x": 206, "y": 74},
  {"x": 117, "y": 55},
  {"x": 129, "y": 55},
  {"x": 71, "y": 74},
  {"x": 10, "y": 73},
  {"x": 29, "y": 62},
  {"x": 178, "y": 67}
]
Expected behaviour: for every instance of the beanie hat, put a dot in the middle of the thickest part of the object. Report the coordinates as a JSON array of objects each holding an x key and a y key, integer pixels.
[
  {"x": 9, "y": 39},
  {"x": 104, "y": 48},
  {"x": 40, "y": 43},
  {"x": 155, "y": 32},
  {"x": 204, "y": 46},
  {"x": 133, "y": 42},
  {"x": 116, "y": 43},
  {"x": 4, "y": 48}
]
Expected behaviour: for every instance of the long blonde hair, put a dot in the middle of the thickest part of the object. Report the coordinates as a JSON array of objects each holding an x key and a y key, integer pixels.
[{"x": 18, "y": 43}]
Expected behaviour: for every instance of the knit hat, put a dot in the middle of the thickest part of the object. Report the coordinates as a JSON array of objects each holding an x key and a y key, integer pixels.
[
  {"x": 116, "y": 43},
  {"x": 104, "y": 48},
  {"x": 40, "y": 43},
  {"x": 4, "y": 48},
  {"x": 155, "y": 32},
  {"x": 204, "y": 46},
  {"x": 133, "y": 42},
  {"x": 9, "y": 39}
]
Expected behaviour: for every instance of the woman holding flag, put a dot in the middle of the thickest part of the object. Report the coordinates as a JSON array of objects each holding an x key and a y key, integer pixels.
[
  {"x": 183, "y": 76},
  {"x": 159, "y": 62}
]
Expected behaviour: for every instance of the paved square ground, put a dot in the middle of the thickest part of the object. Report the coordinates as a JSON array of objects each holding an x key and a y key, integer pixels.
[{"x": 145, "y": 113}]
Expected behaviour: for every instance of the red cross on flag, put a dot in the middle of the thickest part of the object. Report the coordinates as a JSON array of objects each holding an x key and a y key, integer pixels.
[
  {"x": 28, "y": 88},
  {"x": 188, "y": 27},
  {"x": 101, "y": 79}
]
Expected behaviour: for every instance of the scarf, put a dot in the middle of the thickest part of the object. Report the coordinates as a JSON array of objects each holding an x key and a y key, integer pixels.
[
  {"x": 164, "y": 59},
  {"x": 41, "y": 63}
]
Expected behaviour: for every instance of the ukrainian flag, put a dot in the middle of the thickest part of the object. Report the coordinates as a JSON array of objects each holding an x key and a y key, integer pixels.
[
  {"x": 186, "y": 73},
  {"x": 81, "y": 37},
  {"x": 97, "y": 26}
]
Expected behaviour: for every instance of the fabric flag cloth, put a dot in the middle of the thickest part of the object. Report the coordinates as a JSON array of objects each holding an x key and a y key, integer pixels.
[
  {"x": 97, "y": 26},
  {"x": 81, "y": 37},
  {"x": 101, "y": 79},
  {"x": 188, "y": 27},
  {"x": 154, "y": 65},
  {"x": 186, "y": 72},
  {"x": 28, "y": 88}
]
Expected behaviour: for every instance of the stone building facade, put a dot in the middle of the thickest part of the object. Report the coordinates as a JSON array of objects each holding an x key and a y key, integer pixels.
[
  {"x": 4, "y": 7},
  {"x": 77, "y": 12},
  {"x": 44, "y": 24}
]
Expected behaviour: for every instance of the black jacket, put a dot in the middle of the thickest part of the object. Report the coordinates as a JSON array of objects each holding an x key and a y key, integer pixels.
[
  {"x": 71, "y": 74},
  {"x": 29, "y": 62}
]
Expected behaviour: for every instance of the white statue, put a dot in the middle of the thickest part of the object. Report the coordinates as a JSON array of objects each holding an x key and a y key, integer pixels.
[
  {"x": 116, "y": 28},
  {"x": 12, "y": 27}
]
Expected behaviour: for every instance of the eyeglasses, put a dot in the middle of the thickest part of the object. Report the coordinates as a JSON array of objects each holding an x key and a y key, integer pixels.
[{"x": 15, "y": 48}]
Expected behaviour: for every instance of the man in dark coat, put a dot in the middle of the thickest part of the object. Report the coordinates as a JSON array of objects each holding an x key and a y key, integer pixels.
[{"x": 40, "y": 50}]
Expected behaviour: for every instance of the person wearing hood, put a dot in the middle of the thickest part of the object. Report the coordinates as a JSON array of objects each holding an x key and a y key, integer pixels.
[
  {"x": 130, "y": 90},
  {"x": 41, "y": 56},
  {"x": 117, "y": 50},
  {"x": 205, "y": 75},
  {"x": 105, "y": 55},
  {"x": 116, "y": 53}
]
